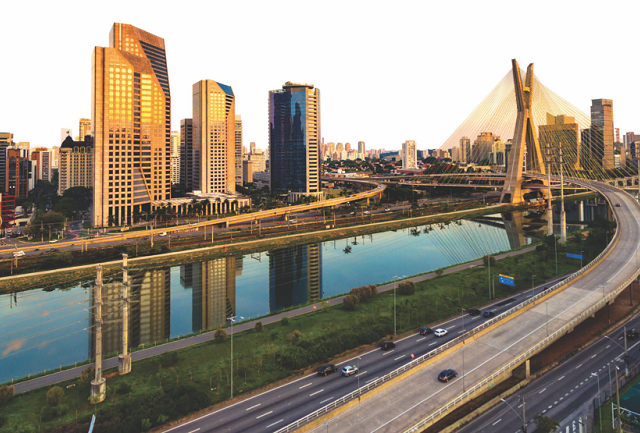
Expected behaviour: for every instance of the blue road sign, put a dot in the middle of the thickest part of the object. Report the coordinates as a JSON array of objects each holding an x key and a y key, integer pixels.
[
  {"x": 505, "y": 279},
  {"x": 93, "y": 421},
  {"x": 574, "y": 256}
]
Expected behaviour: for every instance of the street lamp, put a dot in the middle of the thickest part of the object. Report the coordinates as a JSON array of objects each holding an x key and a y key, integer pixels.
[
  {"x": 463, "y": 310},
  {"x": 524, "y": 423},
  {"x": 581, "y": 254},
  {"x": 358, "y": 378},
  {"x": 599, "y": 402},
  {"x": 232, "y": 320}
]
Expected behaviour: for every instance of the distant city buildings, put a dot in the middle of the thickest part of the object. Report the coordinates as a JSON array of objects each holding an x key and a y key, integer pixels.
[
  {"x": 76, "y": 164},
  {"x": 42, "y": 163},
  {"x": 561, "y": 132},
  {"x": 409, "y": 155},
  {"x": 294, "y": 131},
  {"x": 238, "y": 150},
  {"x": 84, "y": 129},
  {"x": 187, "y": 156},
  {"x": 19, "y": 177},
  {"x": 175, "y": 157},
  {"x": 465, "y": 150}
]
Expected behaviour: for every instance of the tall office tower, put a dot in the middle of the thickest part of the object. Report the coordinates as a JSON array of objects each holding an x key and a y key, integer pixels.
[
  {"x": 561, "y": 132},
  {"x": 55, "y": 156},
  {"x": 175, "y": 143},
  {"x": 187, "y": 153},
  {"x": 214, "y": 136},
  {"x": 465, "y": 149},
  {"x": 294, "y": 131},
  {"x": 17, "y": 172},
  {"x": 618, "y": 135},
  {"x": 339, "y": 148},
  {"x": 628, "y": 138},
  {"x": 6, "y": 140},
  {"x": 238, "y": 153},
  {"x": 252, "y": 147},
  {"x": 76, "y": 164},
  {"x": 247, "y": 171},
  {"x": 347, "y": 147},
  {"x": 258, "y": 160},
  {"x": 131, "y": 115},
  {"x": 43, "y": 157},
  {"x": 295, "y": 276},
  {"x": 361, "y": 149},
  {"x": 602, "y": 132},
  {"x": 175, "y": 169},
  {"x": 84, "y": 129},
  {"x": 409, "y": 155}
]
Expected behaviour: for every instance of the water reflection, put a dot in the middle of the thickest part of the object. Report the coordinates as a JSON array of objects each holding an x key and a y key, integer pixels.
[{"x": 295, "y": 276}]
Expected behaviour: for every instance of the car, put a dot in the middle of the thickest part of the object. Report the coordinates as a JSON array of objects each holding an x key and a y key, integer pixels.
[
  {"x": 617, "y": 204},
  {"x": 192, "y": 224},
  {"x": 632, "y": 334},
  {"x": 53, "y": 241},
  {"x": 349, "y": 370},
  {"x": 327, "y": 369},
  {"x": 367, "y": 212},
  {"x": 163, "y": 234},
  {"x": 446, "y": 375},
  {"x": 474, "y": 312},
  {"x": 280, "y": 222},
  {"x": 386, "y": 345},
  {"x": 18, "y": 253},
  {"x": 386, "y": 209},
  {"x": 440, "y": 332},
  {"x": 488, "y": 313},
  {"x": 293, "y": 221},
  {"x": 51, "y": 250},
  {"x": 352, "y": 213},
  {"x": 426, "y": 331}
]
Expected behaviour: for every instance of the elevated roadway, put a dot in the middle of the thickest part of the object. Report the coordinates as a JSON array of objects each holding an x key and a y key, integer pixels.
[{"x": 487, "y": 358}]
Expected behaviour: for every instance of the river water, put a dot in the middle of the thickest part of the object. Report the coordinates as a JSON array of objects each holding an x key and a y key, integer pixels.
[{"x": 45, "y": 328}]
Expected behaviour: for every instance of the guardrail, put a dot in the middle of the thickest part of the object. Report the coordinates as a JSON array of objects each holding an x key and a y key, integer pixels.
[
  {"x": 355, "y": 394},
  {"x": 542, "y": 344}
]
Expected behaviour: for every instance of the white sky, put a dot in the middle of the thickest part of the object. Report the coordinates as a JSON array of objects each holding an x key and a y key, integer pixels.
[{"x": 388, "y": 71}]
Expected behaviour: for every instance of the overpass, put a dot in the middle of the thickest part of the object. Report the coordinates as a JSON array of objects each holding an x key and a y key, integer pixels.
[{"x": 492, "y": 352}]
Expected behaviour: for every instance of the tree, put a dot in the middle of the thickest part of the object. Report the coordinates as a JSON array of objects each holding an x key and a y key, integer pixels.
[
  {"x": 486, "y": 260},
  {"x": 544, "y": 424},
  {"x": 295, "y": 337},
  {"x": 351, "y": 302},
  {"x": 439, "y": 272},
  {"x": 6, "y": 393},
  {"x": 407, "y": 288},
  {"x": 284, "y": 321},
  {"x": 55, "y": 396},
  {"x": 220, "y": 336},
  {"x": 258, "y": 327}
]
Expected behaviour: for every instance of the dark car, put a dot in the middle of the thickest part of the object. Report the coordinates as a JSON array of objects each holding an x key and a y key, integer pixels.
[
  {"x": 488, "y": 313},
  {"x": 446, "y": 375},
  {"x": 426, "y": 331},
  {"x": 474, "y": 312},
  {"x": 386, "y": 345},
  {"x": 632, "y": 334},
  {"x": 617, "y": 204},
  {"x": 327, "y": 369}
]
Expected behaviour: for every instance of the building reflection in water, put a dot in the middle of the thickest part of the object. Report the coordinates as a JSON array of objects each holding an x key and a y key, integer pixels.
[
  {"x": 295, "y": 276},
  {"x": 213, "y": 289},
  {"x": 149, "y": 310}
]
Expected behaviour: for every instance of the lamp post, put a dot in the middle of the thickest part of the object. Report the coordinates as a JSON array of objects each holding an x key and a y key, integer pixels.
[
  {"x": 358, "y": 378},
  {"x": 523, "y": 418},
  {"x": 463, "y": 330},
  {"x": 232, "y": 320},
  {"x": 581, "y": 254},
  {"x": 618, "y": 400},
  {"x": 395, "y": 286},
  {"x": 599, "y": 402}
]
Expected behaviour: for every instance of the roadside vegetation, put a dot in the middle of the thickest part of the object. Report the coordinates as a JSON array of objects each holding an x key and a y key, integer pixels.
[{"x": 175, "y": 384}]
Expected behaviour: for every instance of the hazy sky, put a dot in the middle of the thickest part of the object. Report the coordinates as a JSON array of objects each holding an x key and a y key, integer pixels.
[{"x": 387, "y": 71}]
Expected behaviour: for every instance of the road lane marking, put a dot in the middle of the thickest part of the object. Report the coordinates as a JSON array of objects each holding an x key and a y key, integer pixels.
[
  {"x": 435, "y": 342},
  {"x": 304, "y": 386},
  {"x": 317, "y": 392},
  {"x": 420, "y": 339},
  {"x": 324, "y": 401},
  {"x": 497, "y": 421},
  {"x": 450, "y": 327},
  {"x": 386, "y": 353},
  {"x": 578, "y": 366},
  {"x": 400, "y": 357},
  {"x": 271, "y": 425},
  {"x": 360, "y": 374},
  {"x": 371, "y": 379},
  {"x": 194, "y": 431},
  {"x": 560, "y": 378},
  {"x": 264, "y": 414},
  {"x": 542, "y": 391},
  {"x": 253, "y": 407}
]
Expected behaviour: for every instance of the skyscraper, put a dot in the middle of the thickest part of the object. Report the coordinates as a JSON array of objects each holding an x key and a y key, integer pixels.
[
  {"x": 294, "y": 131},
  {"x": 602, "y": 132},
  {"x": 187, "y": 166},
  {"x": 214, "y": 136},
  {"x": 131, "y": 115},
  {"x": 561, "y": 132},
  {"x": 465, "y": 150},
  {"x": 84, "y": 129},
  {"x": 6, "y": 140},
  {"x": 175, "y": 157},
  {"x": 362, "y": 153},
  {"x": 409, "y": 155},
  {"x": 238, "y": 152},
  {"x": 76, "y": 164},
  {"x": 175, "y": 143}
]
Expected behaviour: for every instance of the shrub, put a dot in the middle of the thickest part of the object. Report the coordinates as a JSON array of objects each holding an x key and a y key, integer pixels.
[
  {"x": 373, "y": 289},
  {"x": 6, "y": 393},
  {"x": 3, "y": 420},
  {"x": 284, "y": 321},
  {"x": 351, "y": 302},
  {"x": 406, "y": 288},
  {"x": 439, "y": 272},
  {"x": 295, "y": 337},
  {"x": 488, "y": 259},
  {"x": 48, "y": 413},
  {"x": 55, "y": 396},
  {"x": 258, "y": 327},
  {"x": 220, "y": 336},
  {"x": 87, "y": 376},
  {"x": 325, "y": 306}
]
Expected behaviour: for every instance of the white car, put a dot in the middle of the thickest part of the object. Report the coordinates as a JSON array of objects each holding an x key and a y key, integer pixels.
[
  {"x": 367, "y": 212},
  {"x": 440, "y": 332},
  {"x": 18, "y": 253},
  {"x": 192, "y": 224},
  {"x": 349, "y": 370},
  {"x": 53, "y": 241},
  {"x": 163, "y": 234}
]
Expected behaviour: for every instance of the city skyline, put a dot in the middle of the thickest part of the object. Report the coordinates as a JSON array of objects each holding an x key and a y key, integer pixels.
[{"x": 352, "y": 56}]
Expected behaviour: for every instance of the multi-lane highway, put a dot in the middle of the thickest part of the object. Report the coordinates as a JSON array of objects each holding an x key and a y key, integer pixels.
[
  {"x": 561, "y": 393},
  {"x": 275, "y": 408}
]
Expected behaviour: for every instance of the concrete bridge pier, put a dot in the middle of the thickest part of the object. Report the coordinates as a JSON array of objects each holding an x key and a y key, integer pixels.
[{"x": 523, "y": 371}]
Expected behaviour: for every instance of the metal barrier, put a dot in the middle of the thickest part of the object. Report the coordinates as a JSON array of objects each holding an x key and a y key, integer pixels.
[{"x": 419, "y": 360}]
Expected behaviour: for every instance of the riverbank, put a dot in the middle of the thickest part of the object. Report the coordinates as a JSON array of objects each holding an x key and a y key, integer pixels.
[{"x": 280, "y": 350}]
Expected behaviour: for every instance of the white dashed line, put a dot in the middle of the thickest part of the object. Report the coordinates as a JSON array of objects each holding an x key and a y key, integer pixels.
[
  {"x": 253, "y": 407},
  {"x": 304, "y": 386},
  {"x": 264, "y": 414},
  {"x": 497, "y": 421},
  {"x": 400, "y": 357},
  {"x": 271, "y": 425},
  {"x": 324, "y": 401},
  {"x": 386, "y": 353},
  {"x": 317, "y": 392},
  {"x": 542, "y": 391}
]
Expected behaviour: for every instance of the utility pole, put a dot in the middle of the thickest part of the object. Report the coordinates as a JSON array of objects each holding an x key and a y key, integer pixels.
[
  {"x": 124, "y": 360},
  {"x": 549, "y": 209},
  {"x": 98, "y": 385},
  {"x": 524, "y": 417},
  {"x": 618, "y": 400},
  {"x": 626, "y": 355},
  {"x": 152, "y": 225}
]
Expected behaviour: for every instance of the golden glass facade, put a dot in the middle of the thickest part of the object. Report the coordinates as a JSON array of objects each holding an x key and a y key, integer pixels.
[{"x": 131, "y": 120}]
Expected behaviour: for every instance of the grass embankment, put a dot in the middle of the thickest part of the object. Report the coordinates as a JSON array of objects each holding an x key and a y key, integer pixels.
[
  {"x": 224, "y": 246},
  {"x": 173, "y": 385}
]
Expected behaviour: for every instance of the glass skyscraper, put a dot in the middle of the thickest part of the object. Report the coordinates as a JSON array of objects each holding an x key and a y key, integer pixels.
[{"x": 294, "y": 131}]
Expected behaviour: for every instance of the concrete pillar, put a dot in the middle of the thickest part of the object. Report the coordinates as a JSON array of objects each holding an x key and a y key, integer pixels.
[
  {"x": 124, "y": 360},
  {"x": 99, "y": 384}
]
